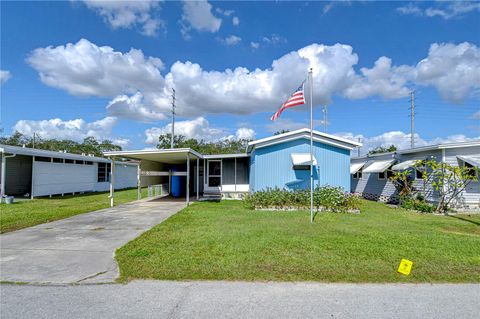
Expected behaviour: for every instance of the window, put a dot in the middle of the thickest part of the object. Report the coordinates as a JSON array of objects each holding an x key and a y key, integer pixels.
[
  {"x": 301, "y": 167},
  {"x": 418, "y": 174},
  {"x": 381, "y": 175},
  {"x": 471, "y": 169},
  {"x": 42, "y": 159},
  {"x": 57, "y": 160},
  {"x": 69, "y": 161},
  {"x": 103, "y": 172},
  {"x": 214, "y": 173},
  {"x": 79, "y": 162},
  {"x": 358, "y": 175},
  {"x": 88, "y": 163},
  {"x": 390, "y": 174}
]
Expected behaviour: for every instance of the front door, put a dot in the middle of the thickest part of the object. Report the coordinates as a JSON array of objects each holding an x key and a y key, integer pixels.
[{"x": 214, "y": 175}]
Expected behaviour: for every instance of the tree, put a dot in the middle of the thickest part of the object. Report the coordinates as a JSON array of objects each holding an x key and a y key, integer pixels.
[
  {"x": 225, "y": 146},
  {"x": 403, "y": 184},
  {"x": 381, "y": 149},
  {"x": 90, "y": 145},
  {"x": 281, "y": 132},
  {"x": 448, "y": 180}
]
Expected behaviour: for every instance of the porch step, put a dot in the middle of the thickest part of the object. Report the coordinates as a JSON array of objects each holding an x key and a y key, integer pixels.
[{"x": 211, "y": 197}]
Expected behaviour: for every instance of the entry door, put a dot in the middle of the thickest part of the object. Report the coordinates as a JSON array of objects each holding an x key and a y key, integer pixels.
[{"x": 214, "y": 175}]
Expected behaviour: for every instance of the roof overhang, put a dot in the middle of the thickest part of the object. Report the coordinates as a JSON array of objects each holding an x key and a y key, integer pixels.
[
  {"x": 9, "y": 149},
  {"x": 378, "y": 166},
  {"x": 223, "y": 156},
  {"x": 301, "y": 159},
  {"x": 472, "y": 160},
  {"x": 305, "y": 134},
  {"x": 440, "y": 147},
  {"x": 168, "y": 156},
  {"x": 355, "y": 167}
]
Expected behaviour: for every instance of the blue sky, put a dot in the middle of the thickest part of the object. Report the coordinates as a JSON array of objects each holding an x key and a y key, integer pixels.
[{"x": 73, "y": 69}]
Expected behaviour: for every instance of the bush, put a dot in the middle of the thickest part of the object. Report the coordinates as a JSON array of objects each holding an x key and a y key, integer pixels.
[
  {"x": 327, "y": 198},
  {"x": 418, "y": 204}
]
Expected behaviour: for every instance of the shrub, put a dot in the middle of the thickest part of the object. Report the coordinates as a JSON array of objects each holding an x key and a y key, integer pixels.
[
  {"x": 418, "y": 204},
  {"x": 328, "y": 198}
]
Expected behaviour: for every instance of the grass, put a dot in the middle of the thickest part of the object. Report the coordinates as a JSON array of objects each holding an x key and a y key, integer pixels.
[
  {"x": 28, "y": 213},
  {"x": 224, "y": 241}
]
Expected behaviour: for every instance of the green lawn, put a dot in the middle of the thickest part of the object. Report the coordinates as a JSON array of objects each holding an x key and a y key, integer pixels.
[
  {"x": 224, "y": 241},
  {"x": 43, "y": 210}
]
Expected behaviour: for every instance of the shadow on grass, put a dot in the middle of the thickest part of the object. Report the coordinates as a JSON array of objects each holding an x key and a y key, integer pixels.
[{"x": 465, "y": 219}]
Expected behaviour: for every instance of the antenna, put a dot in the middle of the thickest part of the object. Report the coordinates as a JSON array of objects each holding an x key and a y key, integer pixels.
[
  {"x": 173, "y": 118},
  {"x": 412, "y": 119}
]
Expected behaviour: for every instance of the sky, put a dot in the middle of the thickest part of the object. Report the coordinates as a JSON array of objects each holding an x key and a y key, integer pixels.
[{"x": 106, "y": 69}]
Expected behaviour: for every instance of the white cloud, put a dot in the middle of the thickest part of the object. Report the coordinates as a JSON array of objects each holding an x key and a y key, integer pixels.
[
  {"x": 231, "y": 40},
  {"x": 235, "y": 20},
  {"x": 86, "y": 69},
  {"x": 4, "y": 76},
  {"x": 444, "y": 9},
  {"x": 198, "y": 15},
  {"x": 76, "y": 130},
  {"x": 245, "y": 133},
  {"x": 289, "y": 125},
  {"x": 274, "y": 39},
  {"x": 226, "y": 13},
  {"x": 454, "y": 70},
  {"x": 138, "y": 89},
  {"x": 133, "y": 108},
  {"x": 254, "y": 45},
  {"x": 127, "y": 14},
  {"x": 401, "y": 140}
]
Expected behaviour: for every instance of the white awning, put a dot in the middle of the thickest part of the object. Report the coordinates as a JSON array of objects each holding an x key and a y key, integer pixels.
[
  {"x": 302, "y": 159},
  {"x": 355, "y": 167},
  {"x": 472, "y": 160},
  {"x": 378, "y": 166},
  {"x": 404, "y": 165}
]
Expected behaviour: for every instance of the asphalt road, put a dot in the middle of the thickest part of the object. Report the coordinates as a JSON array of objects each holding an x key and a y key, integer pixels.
[{"x": 166, "y": 299}]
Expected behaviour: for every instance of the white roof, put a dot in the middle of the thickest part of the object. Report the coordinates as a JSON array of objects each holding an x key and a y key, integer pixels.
[
  {"x": 44, "y": 153},
  {"x": 355, "y": 167},
  {"x": 404, "y": 165},
  {"x": 378, "y": 166},
  {"x": 304, "y": 133},
  {"x": 302, "y": 159},
  {"x": 226, "y": 155},
  {"x": 169, "y": 156},
  {"x": 440, "y": 146},
  {"x": 472, "y": 160}
]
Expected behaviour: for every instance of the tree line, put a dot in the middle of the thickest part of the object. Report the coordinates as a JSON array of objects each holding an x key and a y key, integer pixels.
[
  {"x": 89, "y": 145},
  {"x": 225, "y": 146}
]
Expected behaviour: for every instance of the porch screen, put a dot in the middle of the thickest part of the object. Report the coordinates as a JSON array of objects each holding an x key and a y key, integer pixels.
[
  {"x": 228, "y": 171},
  {"x": 243, "y": 164}
]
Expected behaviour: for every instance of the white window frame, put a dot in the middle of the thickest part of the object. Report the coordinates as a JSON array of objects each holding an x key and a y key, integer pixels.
[{"x": 209, "y": 175}]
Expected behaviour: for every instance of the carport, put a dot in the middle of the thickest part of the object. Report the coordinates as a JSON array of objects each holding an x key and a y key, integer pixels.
[{"x": 159, "y": 166}]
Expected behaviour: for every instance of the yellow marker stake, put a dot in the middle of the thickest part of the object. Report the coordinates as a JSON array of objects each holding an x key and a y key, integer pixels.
[{"x": 405, "y": 267}]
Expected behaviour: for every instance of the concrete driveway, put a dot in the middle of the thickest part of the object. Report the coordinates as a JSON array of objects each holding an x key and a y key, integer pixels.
[{"x": 78, "y": 249}]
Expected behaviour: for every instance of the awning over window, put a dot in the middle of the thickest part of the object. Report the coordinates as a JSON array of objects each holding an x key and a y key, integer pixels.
[
  {"x": 404, "y": 165},
  {"x": 378, "y": 166},
  {"x": 472, "y": 160},
  {"x": 302, "y": 159},
  {"x": 355, "y": 167}
]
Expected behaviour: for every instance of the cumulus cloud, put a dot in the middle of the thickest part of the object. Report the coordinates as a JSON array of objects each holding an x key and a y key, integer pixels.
[
  {"x": 76, "y": 129},
  {"x": 475, "y": 116},
  {"x": 84, "y": 68},
  {"x": 140, "y": 91},
  {"x": 454, "y": 70},
  {"x": 254, "y": 45},
  {"x": 133, "y": 108},
  {"x": 198, "y": 128},
  {"x": 274, "y": 39},
  {"x": 231, "y": 40},
  {"x": 245, "y": 133},
  {"x": 444, "y": 9},
  {"x": 4, "y": 76},
  {"x": 235, "y": 20},
  {"x": 198, "y": 15},
  {"x": 127, "y": 14},
  {"x": 401, "y": 140}
]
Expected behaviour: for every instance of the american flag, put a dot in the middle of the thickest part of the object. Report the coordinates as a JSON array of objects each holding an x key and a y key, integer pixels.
[{"x": 297, "y": 98}]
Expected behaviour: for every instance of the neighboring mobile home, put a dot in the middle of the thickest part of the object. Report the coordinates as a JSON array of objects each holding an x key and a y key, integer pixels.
[
  {"x": 33, "y": 172},
  {"x": 281, "y": 161},
  {"x": 370, "y": 174}
]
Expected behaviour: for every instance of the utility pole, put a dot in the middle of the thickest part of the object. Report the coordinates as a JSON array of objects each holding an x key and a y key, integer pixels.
[
  {"x": 325, "y": 118},
  {"x": 173, "y": 118},
  {"x": 359, "y": 141},
  {"x": 412, "y": 119}
]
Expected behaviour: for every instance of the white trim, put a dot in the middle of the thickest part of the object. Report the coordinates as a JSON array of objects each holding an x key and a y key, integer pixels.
[
  {"x": 159, "y": 151},
  {"x": 355, "y": 167},
  {"x": 221, "y": 156},
  {"x": 207, "y": 186},
  {"x": 474, "y": 161},
  {"x": 439, "y": 147}
]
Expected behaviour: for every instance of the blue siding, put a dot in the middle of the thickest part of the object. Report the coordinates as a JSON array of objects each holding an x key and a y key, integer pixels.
[{"x": 271, "y": 166}]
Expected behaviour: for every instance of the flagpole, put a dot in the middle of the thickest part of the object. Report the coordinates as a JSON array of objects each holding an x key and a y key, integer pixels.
[{"x": 310, "y": 75}]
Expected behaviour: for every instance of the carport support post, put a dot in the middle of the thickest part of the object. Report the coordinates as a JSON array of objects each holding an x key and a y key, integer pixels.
[
  {"x": 198, "y": 175},
  {"x": 188, "y": 178},
  {"x": 139, "y": 182},
  {"x": 4, "y": 165},
  {"x": 112, "y": 179}
]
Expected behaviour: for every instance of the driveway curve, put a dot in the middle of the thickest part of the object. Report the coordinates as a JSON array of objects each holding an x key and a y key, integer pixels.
[{"x": 79, "y": 249}]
